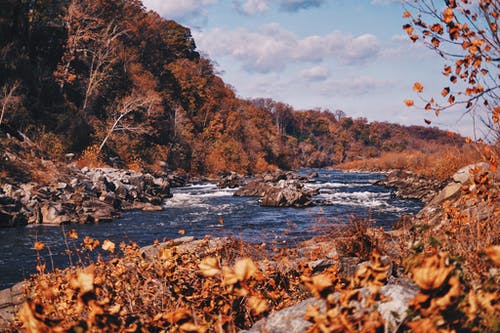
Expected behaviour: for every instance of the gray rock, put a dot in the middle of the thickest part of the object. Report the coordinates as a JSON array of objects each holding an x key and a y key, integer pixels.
[
  {"x": 463, "y": 175},
  {"x": 10, "y": 301},
  {"x": 395, "y": 310},
  {"x": 289, "y": 320}
]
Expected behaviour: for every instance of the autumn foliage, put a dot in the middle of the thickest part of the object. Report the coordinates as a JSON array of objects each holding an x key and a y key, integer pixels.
[
  {"x": 465, "y": 34},
  {"x": 120, "y": 86}
]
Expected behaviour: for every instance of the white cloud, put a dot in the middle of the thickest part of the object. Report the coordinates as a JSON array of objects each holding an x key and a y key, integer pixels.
[
  {"x": 174, "y": 9},
  {"x": 296, "y": 5},
  {"x": 316, "y": 73},
  {"x": 252, "y": 7},
  {"x": 355, "y": 86},
  {"x": 401, "y": 48},
  {"x": 386, "y": 2},
  {"x": 272, "y": 48}
]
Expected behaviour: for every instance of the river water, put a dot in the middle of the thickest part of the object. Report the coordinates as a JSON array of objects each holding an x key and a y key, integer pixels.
[{"x": 198, "y": 210}]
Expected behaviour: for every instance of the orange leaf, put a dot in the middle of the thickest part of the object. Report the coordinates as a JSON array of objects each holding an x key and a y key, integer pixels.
[
  {"x": 73, "y": 234},
  {"x": 448, "y": 15},
  {"x": 408, "y": 28},
  {"x": 427, "y": 121},
  {"x": 417, "y": 87},
  {"x": 445, "y": 91},
  {"x": 39, "y": 246},
  {"x": 406, "y": 14},
  {"x": 409, "y": 102}
]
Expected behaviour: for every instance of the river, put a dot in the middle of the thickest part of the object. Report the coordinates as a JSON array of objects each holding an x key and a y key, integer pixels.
[{"x": 202, "y": 209}]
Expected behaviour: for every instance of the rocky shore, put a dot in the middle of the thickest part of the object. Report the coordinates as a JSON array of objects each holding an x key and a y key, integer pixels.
[
  {"x": 407, "y": 185},
  {"x": 88, "y": 196}
]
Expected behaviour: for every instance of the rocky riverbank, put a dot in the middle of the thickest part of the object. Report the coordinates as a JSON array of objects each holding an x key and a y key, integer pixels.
[
  {"x": 86, "y": 196},
  {"x": 408, "y": 185}
]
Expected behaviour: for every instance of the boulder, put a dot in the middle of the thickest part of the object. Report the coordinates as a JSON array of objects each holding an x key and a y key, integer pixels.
[
  {"x": 286, "y": 194},
  {"x": 407, "y": 185},
  {"x": 232, "y": 181},
  {"x": 54, "y": 214},
  {"x": 255, "y": 188},
  {"x": 434, "y": 213},
  {"x": 10, "y": 301},
  {"x": 289, "y": 320}
]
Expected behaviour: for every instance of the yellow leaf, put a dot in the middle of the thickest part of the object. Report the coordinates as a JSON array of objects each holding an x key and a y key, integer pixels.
[
  {"x": 257, "y": 305},
  {"x": 109, "y": 246},
  {"x": 209, "y": 267},
  {"x": 85, "y": 280},
  {"x": 244, "y": 269},
  {"x": 432, "y": 272},
  {"x": 493, "y": 253},
  {"x": 448, "y": 15},
  {"x": 191, "y": 328}
]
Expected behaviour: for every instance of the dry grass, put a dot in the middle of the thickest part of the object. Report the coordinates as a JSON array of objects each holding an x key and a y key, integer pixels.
[{"x": 438, "y": 165}]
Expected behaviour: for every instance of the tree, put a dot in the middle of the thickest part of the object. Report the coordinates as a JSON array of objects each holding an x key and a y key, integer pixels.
[
  {"x": 465, "y": 34},
  {"x": 9, "y": 99},
  {"x": 92, "y": 41},
  {"x": 129, "y": 105}
]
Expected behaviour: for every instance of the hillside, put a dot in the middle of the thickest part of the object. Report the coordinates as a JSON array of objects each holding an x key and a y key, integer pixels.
[{"x": 118, "y": 85}]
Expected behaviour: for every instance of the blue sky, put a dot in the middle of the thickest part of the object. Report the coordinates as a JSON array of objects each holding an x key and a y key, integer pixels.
[{"x": 338, "y": 54}]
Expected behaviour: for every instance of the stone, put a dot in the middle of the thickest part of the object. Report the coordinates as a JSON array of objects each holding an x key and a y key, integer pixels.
[
  {"x": 288, "y": 320},
  {"x": 232, "y": 181},
  {"x": 53, "y": 214},
  {"x": 463, "y": 175},
  {"x": 394, "y": 311},
  {"x": 255, "y": 188}
]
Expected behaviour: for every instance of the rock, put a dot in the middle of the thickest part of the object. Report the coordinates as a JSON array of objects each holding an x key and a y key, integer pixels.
[
  {"x": 281, "y": 190},
  {"x": 463, "y": 175},
  {"x": 288, "y": 320},
  {"x": 291, "y": 319},
  {"x": 394, "y": 311},
  {"x": 286, "y": 194},
  {"x": 54, "y": 214},
  {"x": 10, "y": 301},
  {"x": 256, "y": 188},
  {"x": 232, "y": 181},
  {"x": 410, "y": 186},
  {"x": 451, "y": 196},
  {"x": 186, "y": 244},
  {"x": 313, "y": 175}
]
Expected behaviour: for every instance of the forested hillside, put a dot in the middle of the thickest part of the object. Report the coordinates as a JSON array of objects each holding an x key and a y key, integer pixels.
[{"x": 116, "y": 84}]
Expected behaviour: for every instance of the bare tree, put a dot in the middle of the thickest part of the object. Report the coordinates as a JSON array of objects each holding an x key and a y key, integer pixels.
[
  {"x": 129, "y": 105},
  {"x": 91, "y": 41},
  {"x": 8, "y": 98}
]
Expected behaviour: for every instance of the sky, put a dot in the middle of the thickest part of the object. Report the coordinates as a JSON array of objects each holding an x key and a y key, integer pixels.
[{"x": 351, "y": 55}]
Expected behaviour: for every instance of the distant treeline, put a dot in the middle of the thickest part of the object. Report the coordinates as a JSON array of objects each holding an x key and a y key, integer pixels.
[{"x": 111, "y": 78}]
